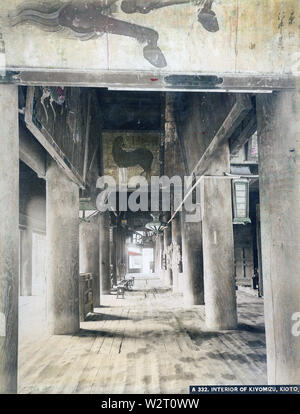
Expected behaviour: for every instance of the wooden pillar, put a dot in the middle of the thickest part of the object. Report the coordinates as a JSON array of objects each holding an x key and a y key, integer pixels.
[
  {"x": 123, "y": 252},
  {"x": 26, "y": 262},
  {"x": 192, "y": 256},
  {"x": 160, "y": 266},
  {"x": 104, "y": 246},
  {"x": 218, "y": 247},
  {"x": 168, "y": 277},
  {"x": 157, "y": 254},
  {"x": 89, "y": 253},
  {"x": 113, "y": 253},
  {"x": 278, "y": 117},
  {"x": 176, "y": 250},
  {"x": 9, "y": 238},
  {"x": 218, "y": 254},
  {"x": 62, "y": 201},
  {"x": 119, "y": 248}
]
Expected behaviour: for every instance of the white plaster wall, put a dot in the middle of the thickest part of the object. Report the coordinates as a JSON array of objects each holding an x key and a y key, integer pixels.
[{"x": 255, "y": 36}]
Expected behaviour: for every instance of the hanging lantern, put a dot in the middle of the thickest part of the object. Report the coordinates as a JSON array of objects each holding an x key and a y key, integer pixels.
[
  {"x": 240, "y": 194},
  {"x": 155, "y": 226}
]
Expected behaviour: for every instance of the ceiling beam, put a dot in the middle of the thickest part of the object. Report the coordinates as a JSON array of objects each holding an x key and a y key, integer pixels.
[
  {"x": 31, "y": 152},
  {"x": 240, "y": 109},
  {"x": 150, "y": 80},
  {"x": 236, "y": 143}
]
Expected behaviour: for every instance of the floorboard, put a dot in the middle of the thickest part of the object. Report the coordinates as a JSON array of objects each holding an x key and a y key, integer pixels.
[{"x": 147, "y": 342}]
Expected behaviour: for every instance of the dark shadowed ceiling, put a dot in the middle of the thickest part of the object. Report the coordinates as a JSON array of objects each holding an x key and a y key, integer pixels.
[{"x": 131, "y": 111}]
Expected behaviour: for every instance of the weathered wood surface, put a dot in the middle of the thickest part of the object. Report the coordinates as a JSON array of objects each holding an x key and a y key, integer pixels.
[
  {"x": 142, "y": 79},
  {"x": 147, "y": 343},
  {"x": 68, "y": 131},
  {"x": 62, "y": 264},
  {"x": 279, "y": 171},
  {"x": 238, "y": 112},
  {"x": 9, "y": 238}
]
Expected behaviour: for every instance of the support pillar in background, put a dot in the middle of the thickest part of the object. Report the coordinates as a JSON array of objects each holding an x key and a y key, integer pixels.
[
  {"x": 124, "y": 253},
  {"x": 278, "y": 117},
  {"x": 89, "y": 253},
  {"x": 9, "y": 238},
  {"x": 119, "y": 253},
  {"x": 26, "y": 262},
  {"x": 62, "y": 251},
  {"x": 157, "y": 255},
  {"x": 177, "y": 251},
  {"x": 218, "y": 254},
  {"x": 113, "y": 253},
  {"x": 168, "y": 277},
  {"x": 160, "y": 265},
  {"x": 104, "y": 246},
  {"x": 192, "y": 257}
]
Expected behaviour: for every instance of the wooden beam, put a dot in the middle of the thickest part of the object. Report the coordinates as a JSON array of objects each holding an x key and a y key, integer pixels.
[
  {"x": 240, "y": 109},
  {"x": 181, "y": 145},
  {"x": 245, "y": 134},
  {"x": 47, "y": 141},
  {"x": 149, "y": 80},
  {"x": 31, "y": 152}
]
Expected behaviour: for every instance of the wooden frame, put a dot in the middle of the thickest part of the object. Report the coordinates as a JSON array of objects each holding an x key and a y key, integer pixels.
[{"x": 48, "y": 142}]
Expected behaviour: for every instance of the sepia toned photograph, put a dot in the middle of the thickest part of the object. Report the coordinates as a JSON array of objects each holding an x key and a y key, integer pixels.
[{"x": 149, "y": 201}]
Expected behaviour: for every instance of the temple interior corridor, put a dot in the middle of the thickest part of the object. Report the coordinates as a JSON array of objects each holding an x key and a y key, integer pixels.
[
  {"x": 149, "y": 196},
  {"x": 146, "y": 343}
]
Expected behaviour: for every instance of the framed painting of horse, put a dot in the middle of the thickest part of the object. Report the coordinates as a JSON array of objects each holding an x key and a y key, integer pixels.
[{"x": 129, "y": 154}]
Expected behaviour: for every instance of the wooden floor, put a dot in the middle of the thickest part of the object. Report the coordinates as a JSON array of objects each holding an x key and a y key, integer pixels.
[{"x": 146, "y": 343}]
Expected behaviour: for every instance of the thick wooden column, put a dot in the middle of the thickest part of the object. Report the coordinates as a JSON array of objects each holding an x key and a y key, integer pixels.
[
  {"x": 157, "y": 255},
  {"x": 104, "y": 246},
  {"x": 160, "y": 264},
  {"x": 124, "y": 253},
  {"x": 121, "y": 251},
  {"x": 113, "y": 252},
  {"x": 26, "y": 262},
  {"x": 62, "y": 252},
  {"x": 168, "y": 277},
  {"x": 218, "y": 254},
  {"x": 278, "y": 117},
  {"x": 89, "y": 253},
  {"x": 176, "y": 250},
  {"x": 218, "y": 247},
  {"x": 192, "y": 257},
  {"x": 9, "y": 238}
]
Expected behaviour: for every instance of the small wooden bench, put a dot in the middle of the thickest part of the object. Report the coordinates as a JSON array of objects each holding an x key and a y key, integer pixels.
[
  {"x": 124, "y": 284},
  {"x": 120, "y": 292},
  {"x": 127, "y": 283}
]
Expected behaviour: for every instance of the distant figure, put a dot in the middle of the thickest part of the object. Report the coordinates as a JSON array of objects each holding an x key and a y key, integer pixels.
[{"x": 130, "y": 158}]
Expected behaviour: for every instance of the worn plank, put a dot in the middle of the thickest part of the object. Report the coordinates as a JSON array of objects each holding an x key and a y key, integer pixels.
[{"x": 147, "y": 343}]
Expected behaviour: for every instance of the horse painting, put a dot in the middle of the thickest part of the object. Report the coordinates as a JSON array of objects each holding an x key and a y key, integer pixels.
[
  {"x": 133, "y": 157},
  {"x": 88, "y": 20}
]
